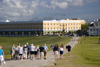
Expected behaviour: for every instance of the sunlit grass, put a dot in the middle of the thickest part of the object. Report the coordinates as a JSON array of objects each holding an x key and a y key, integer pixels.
[
  {"x": 7, "y": 42},
  {"x": 84, "y": 54}
]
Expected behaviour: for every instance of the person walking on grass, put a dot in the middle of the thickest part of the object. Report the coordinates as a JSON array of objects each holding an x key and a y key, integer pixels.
[
  {"x": 68, "y": 47},
  {"x": 37, "y": 52},
  {"x": 45, "y": 51},
  {"x": 56, "y": 52},
  {"x": 28, "y": 49},
  {"x": 61, "y": 52},
  {"x": 32, "y": 52},
  {"x": 13, "y": 51},
  {"x": 1, "y": 56},
  {"x": 20, "y": 52},
  {"x": 25, "y": 51},
  {"x": 41, "y": 48}
]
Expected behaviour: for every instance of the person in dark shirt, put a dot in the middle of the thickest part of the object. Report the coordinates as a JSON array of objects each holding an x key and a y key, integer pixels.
[
  {"x": 41, "y": 48},
  {"x": 69, "y": 49},
  {"x": 56, "y": 52}
]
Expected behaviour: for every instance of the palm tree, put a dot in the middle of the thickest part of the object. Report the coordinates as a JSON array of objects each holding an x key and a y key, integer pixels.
[
  {"x": 22, "y": 33},
  {"x": 40, "y": 33},
  {"x": 16, "y": 33},
  {"x": 3, "y": 33},
  {"x": 29, "y": 33},
  {"x": 35, "y": 32},
  {"x": 9, "y": 33}
]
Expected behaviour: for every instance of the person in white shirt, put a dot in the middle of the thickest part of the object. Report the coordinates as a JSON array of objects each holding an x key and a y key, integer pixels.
[
  {"x": 32, "y": 52},
  {"x": 45, "y": 51},
  {"x": 25, "y": 51},
  {"x": 61, "y": 52},
  {"x": 20, "y": 52}
]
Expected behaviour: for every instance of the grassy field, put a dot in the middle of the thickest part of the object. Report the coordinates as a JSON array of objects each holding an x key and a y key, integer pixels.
[
  {"x": 84, "y": 54},
  {"x": 6, "y": 42}
]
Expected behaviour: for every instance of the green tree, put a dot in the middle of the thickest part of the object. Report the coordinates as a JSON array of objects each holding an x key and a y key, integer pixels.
[
  {"x": 29, "y": 33},
  {"x": 84, "y": 27},
  {"x": 16, "y": 33}
]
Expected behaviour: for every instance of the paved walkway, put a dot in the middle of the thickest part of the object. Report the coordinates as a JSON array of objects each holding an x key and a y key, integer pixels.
[{"x": 38, "y": 63}]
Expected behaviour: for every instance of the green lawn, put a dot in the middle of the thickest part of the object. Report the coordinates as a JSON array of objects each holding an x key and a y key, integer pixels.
[
  {"x": 7, "y": 42},
  {"x": 84, "y": 54}
]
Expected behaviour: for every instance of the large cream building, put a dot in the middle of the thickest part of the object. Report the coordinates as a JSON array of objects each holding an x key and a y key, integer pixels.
[{"x": 49, "y": 26}]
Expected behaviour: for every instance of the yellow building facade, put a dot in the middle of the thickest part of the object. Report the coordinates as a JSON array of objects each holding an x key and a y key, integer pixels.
[{"x": 50, "y": 26}]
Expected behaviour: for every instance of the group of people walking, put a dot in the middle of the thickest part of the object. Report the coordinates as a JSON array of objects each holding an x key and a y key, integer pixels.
[
  {"x": 57, "y": 50},
  {"x": 27, "y": 51},
  {"x": 34, "y": 52}
]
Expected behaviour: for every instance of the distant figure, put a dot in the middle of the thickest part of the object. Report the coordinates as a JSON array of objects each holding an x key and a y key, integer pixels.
[
  {"x": 45, "y": 51},
  {"x": 28, "y": 47},
  {"x": 25, "y": 51},
  {"x": 57, "y": 46},
  {"x": 52, "y": 46},
  {"x": 16, "y": 51},
  {"x": 41, "y": 52},
  {"x": 1, "y": 56},
  {"x": 56, "y": 52},
  {"x": 61, "y": 52},
  {"x": 37, "y": 52},
  {"x": 32, "y": 51},
  {"x": 13, "y": 51},
  {"x": 62, "y": 45},
  {"x": 20, "y": 52},
  {"x": 69, "y": 49}
]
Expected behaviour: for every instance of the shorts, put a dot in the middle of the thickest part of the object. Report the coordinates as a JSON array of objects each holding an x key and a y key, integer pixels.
[
  {"x": 61, "y": 52},
  {"x": 56, "y": 52},
  {"x": 12, "y": 53},
  {"x": 20, "y": 54},
  {"x": 69, "y": 50},
  {"x": 1, "y": 58},
  {"x": 35, "y": 52},
  {"x": 41, "y": 53},
  {"x": 32, "y": 52},
  {"x": 45, "y": 53}
]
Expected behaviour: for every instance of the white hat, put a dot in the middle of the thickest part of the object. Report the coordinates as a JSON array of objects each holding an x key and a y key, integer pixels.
[
  {"x": 27, "y": 43},
  {"x": 32, "y": 44}
]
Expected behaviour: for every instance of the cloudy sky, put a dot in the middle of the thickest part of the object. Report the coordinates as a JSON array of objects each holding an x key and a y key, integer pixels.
[{"x": 24, "y": 10}]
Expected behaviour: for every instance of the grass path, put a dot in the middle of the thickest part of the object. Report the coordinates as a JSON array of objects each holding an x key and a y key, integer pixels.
[{"x": 85, "y": 54}]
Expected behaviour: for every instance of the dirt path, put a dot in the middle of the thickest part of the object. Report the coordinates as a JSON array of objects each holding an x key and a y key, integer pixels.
[{"x": 38, "y": 63}]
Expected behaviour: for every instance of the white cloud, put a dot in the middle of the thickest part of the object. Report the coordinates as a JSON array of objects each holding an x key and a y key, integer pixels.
[
  {"x": 26, "y": 8},
  {"x": 17, "y": 8},
  {"x": 62, "y": 5}
]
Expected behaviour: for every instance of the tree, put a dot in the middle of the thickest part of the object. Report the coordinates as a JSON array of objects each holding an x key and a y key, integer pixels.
[
  {"x": 84, "y": 27},
  {"x": 9, "y": 33},
  {"x": 35, "y": 32},
  {"x": 3, "y": 33},
  {"x": 22, "y": 33},
  {"x": 16, "y": 33},
  {"x": 40, "y": 33},
  {"x": 29, "y": 33}
]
